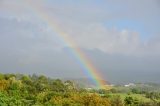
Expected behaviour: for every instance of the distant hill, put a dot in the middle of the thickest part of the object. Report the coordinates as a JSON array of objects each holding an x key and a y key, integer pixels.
[{"x": 85, "y": 82}]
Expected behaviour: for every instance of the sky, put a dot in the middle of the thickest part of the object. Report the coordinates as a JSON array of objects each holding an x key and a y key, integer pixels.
[{"x": 120, "y": 37}]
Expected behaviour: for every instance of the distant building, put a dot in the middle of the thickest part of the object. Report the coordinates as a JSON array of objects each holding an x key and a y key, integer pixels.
[{"x": 130, "y": 84}]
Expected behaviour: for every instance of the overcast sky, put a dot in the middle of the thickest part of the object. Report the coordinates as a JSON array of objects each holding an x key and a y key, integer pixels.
[{"x": 121, "y": 37}]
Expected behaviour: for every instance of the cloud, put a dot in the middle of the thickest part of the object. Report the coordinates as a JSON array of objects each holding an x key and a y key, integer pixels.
[
  {"x": 28, "y": 43},
  {"x": 86, "y": 25},
  {"x": 110, "y": 40},
  {"x": 21, "y": 35}
]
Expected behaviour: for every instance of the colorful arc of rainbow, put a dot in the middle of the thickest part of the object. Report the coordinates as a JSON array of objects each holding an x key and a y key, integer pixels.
[{"x": 82, "y": 59}]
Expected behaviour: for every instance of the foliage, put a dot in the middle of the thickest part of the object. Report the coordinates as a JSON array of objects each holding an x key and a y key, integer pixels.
[
  {"x": 117, "y": 101},
  {"x": 24, "y": 90}
]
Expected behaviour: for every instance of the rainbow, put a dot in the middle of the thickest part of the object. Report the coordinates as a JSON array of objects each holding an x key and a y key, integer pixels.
[{"x": 84, "y": 62}]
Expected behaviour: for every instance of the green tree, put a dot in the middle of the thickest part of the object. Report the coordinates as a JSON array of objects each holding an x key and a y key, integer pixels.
[
  {"x": 128, "y": 100},
  {"x": 116, "y": 101}
]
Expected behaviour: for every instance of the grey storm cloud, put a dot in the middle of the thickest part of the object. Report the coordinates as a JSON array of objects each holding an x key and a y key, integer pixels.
[{"x": 29, "y": 45}]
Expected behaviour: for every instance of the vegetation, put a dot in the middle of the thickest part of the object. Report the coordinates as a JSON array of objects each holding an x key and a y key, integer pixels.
[{"x": 23, "y": 90}]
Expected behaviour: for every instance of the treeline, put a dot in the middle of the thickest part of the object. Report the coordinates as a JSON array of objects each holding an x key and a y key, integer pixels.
[
  {"x": 23, "y": 90},
  {"x": 34, "y": 90}
]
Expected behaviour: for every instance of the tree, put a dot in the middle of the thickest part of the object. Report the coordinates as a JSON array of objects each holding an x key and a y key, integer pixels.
[
  {"x": 57, "y": 85},
  {"x": 116, "y": 101},
  {"x": 69, "y": 85},
  {"x": 4, "y": 84},
  {"x": 94, "y": 100},
  {"x": 128, "y": 100},
  {"x": 23, "y": 90}
]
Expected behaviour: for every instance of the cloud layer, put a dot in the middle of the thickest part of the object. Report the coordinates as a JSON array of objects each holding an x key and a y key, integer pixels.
[{"x": 121, "y": 36}]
